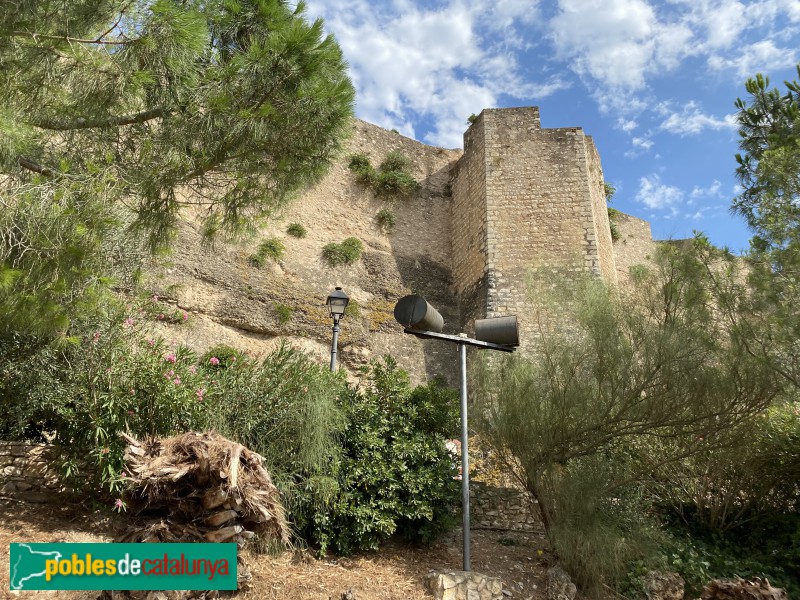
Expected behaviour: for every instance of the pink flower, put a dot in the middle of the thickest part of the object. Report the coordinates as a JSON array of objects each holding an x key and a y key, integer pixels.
[
  {"x": 200, "y": 393},
  {"x": 193, "y": 370},
  {"x": 124, "y": 475},
  {"x": 119, "y": 505},
  {"x": 96, "y": 337},
  {"x": 151, "y": 342},
  {"x": 171, "y": 373},
  {"x": 214, "y": 360},
  {"x": 161, "y": 317},
  {"x": 171, "y": 358},
  {"x": 132, "y": 391},
  {"x": 128, "y": 323},
  {"x": 154, "y": 298},
  {"x": 185, "y": 316},
  {"x": 177, "y": 381}
]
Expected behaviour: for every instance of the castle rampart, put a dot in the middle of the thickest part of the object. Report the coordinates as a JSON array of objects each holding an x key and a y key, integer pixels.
[
  {"x": 524, "y": 197},
  {"x": 517, "y": 198}
]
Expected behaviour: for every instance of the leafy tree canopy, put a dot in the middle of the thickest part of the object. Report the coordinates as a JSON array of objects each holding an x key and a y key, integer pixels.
[
  {"x": 114, "y": 114},
  {"x": 769, "y": 172},
  {"x": 769, "y": 167}
]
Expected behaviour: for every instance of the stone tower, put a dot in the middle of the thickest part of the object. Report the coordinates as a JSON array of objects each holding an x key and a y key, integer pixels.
[{"x": 524, "y": 197}]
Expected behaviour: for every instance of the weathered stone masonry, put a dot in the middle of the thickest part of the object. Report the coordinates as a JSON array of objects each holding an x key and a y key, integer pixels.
[
  {"x": 517, "y": 198},
  {"x": 524, "y": 197}
]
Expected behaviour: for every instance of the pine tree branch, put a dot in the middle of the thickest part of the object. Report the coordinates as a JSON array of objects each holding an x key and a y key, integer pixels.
[
  {"x": 35, "y": 167},
  {"x": 68, "y": 39},
  {"x": 141, "y": 117}
]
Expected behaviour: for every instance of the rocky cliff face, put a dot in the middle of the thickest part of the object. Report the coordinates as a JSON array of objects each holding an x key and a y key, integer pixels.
[
  {"x": 465, "y": 241},
  {"x": 230, "y": 301}
]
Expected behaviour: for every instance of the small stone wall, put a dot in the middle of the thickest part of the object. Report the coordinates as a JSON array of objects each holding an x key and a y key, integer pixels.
[
  {"x": 27, "y": 471},
  {"x": 502, "y": 508},
  {"x": 463, "y": 585}
]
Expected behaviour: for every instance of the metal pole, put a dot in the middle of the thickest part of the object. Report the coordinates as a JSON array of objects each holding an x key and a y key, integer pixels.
[
  {"x": 462, "y": 350},
  {"x": 335, "y": 342}
]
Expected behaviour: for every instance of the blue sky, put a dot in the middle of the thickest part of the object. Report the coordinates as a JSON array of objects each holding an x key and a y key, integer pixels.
[{"x": 654, "y": 82}]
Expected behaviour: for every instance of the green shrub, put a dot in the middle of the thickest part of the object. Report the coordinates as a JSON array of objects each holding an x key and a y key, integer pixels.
[
  {"x": 362, "y": 167},
  {"x": 345, "y": 253},
  {"x": 472, "y": 118},
  {"x": 393, "y": 177},
  {"x": 395, "y": 161},
  {"x": 284, "y": 313},
  {"x": 220, "y": 357},
  {"x": 613, "y": 215},
  {"x": 272, "y": 248},
  {"x": 257, "y": 261},
  {"x": 395, "y": 183},
  {"x": 83, "y": 396},
  {"x": 296, "y": 230},
  {"x": 395, "y": 474},
  {"x": 284, "y": 408},
  {"x": 386, "y": 219}
]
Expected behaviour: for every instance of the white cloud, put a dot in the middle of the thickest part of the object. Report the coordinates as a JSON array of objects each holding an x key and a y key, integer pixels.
[
  {"x": 610, "y": 40},
  {"x": 762, "y": 56},
  {"x": 691, "y": 120},
  {"x": 712, "y": 191},
  {"x": 618, "y": 47},
  {"x": 626, "y": 125},
  {"x": 656, "y": 195},
  {"x": 413, "y": 61}
]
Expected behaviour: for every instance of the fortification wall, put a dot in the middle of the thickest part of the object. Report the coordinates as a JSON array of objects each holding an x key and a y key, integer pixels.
[
  {"x": 602, "y": 228},
  {"x": 469, "y": 223},
  {"x": 230, "y": 301},
  {"x": 519, "y": 200},
  {"x": 545, "y": 209},
  {"x": 635, "y": 245}
]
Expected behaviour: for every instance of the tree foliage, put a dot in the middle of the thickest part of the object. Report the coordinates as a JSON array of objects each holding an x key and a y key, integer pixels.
[
  {"x": 769, "y": 168},
  {"x": 626, "y": 390},
  {"x": 231, "y": 105},
  {"x": 116, "y": 114},
  {"x": 769, "y": 171}
]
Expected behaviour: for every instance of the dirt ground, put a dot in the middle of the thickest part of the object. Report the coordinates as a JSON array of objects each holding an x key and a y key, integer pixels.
[{"x": 396, "y": 572}]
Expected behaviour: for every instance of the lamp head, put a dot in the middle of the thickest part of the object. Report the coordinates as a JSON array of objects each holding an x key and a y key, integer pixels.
[{"x": 337, "y": 302}]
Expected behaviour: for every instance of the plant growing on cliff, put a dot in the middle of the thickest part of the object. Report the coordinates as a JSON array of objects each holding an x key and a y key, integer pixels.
[
  {"x": 386, "y": 219},
  {"x": 345, "y": 253},
  {"x": 296, "y": 230},
  {"x": 392, "y": 178},
  {"x": 613, "y": 214},
  {"x": 271, "y": 248},
  {"x": 362, "y": 167}
]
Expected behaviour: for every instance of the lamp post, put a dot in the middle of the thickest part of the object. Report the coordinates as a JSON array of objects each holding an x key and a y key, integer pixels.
[
  {"x": 337, "y": 303},
  {"x": 500, "y": 333}
]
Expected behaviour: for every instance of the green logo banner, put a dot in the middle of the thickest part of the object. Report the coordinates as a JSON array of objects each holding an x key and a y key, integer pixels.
[{"x": 122, "y": 566}]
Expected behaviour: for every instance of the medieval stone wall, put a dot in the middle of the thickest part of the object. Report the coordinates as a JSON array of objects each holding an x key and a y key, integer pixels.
[
  {"x": 635, "y": 245},
  {"x": 469, "y": 223},
  {"x": 543, "y": 198},
  {"x": 232, "y": 302},
  {"x": 519, "y": 200}
]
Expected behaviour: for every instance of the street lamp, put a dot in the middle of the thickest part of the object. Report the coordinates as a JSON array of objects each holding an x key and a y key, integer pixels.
[
  {"x": 500, "y": 333},
  {"x": 337, "y": 303}
]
